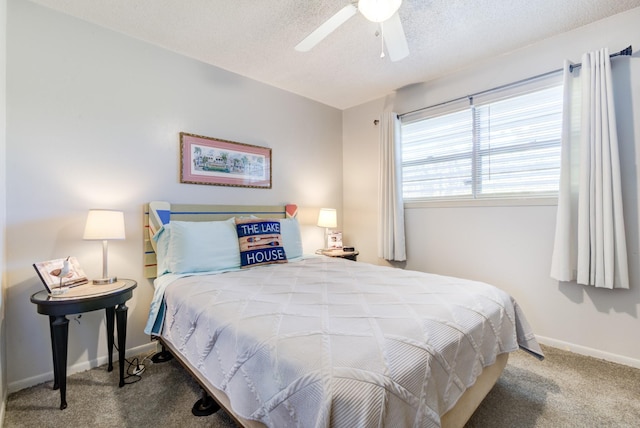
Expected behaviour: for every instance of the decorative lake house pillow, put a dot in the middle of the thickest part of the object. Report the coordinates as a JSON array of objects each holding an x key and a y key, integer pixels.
[{"x": 260, "y": 242}]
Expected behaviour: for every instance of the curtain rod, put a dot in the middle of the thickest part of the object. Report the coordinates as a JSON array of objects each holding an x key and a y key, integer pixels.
[
  {"x": 626, "y": 51},
  {"x": 465, "y": 97}
]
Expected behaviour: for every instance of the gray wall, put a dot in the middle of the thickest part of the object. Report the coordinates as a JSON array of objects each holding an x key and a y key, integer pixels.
[
  {"x": 510, "y": 245},
  {"x": 3, "y": 200},
  {"x": 93, "y": 122}
]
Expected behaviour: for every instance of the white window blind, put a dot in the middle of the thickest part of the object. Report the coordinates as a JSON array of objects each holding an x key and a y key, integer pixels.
[{"x": 504, "y": 143}]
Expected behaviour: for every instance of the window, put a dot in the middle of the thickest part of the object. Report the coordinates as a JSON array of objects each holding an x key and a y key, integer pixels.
[{"x": 503, "y": 143}]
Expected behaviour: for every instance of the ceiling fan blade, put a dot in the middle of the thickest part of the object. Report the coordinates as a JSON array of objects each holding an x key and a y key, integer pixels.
[
  {"x": 394, "y": 38},
  {"x": 326, "y": 28}
]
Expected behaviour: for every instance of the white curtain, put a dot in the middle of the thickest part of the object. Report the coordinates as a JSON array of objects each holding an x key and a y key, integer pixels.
[
  {"x": 391, "y": 238},
  {"x": 590, "y": 245}
]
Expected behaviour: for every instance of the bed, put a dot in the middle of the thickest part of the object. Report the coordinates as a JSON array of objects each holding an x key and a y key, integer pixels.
[{"x": 315, "y": 341}]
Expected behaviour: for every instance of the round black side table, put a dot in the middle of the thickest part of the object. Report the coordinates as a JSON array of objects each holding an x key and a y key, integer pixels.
[{"x": 111, "y": 299}]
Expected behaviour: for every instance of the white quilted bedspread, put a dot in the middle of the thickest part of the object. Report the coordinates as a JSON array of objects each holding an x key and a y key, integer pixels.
[{"x": 330, "y": 342}]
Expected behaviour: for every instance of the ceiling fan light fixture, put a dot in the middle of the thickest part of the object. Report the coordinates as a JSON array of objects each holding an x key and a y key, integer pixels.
[{"x": 378, "y": 10}]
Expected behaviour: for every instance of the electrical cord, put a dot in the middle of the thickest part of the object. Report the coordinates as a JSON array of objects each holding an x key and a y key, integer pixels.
[
  {"x": 131, "y": 373},
  {"x": 135, "y": 367}
]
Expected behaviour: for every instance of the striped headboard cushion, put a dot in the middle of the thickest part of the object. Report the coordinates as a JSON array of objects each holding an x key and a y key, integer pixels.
[{"x": 157, "y": 213}]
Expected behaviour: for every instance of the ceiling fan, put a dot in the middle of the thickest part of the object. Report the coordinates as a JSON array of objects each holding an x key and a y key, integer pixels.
[{"x": 384, "y": 12}]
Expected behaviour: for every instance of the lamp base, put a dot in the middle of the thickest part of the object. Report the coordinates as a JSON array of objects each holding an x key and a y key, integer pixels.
[{"x": 103, "y": 281}]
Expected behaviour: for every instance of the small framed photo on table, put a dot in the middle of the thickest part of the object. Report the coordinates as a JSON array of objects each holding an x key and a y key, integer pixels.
[
  {"x": 60, "y": 274},
  {"x": 334, "y": 240}
]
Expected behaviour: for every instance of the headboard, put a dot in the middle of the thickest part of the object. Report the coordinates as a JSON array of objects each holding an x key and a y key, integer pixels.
[{"x": 157, "y": 213}]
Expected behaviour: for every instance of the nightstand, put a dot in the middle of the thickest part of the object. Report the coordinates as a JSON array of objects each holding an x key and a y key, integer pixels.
[
  {"x": 349, "y": 255},
  {"x": 111, "y": 298}
]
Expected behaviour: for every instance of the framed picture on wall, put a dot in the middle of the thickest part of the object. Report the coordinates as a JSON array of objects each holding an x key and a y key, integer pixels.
[{"x": 206, "y": 160}]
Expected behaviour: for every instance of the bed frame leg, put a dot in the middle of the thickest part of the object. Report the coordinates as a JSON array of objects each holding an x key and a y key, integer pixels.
[
  {"x": 205, "y": 406},
  {"x": 162, "y": 356}
]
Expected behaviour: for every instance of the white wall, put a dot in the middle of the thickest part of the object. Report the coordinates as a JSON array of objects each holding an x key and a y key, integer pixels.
[
  {"x": 511, "y": 246},
  {"x": 93, "y": 121},
  {"x": 3, "y": 200},
  {"x": 361, "y": 163}
]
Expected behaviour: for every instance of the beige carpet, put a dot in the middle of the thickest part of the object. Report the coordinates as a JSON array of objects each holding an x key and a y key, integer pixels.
[{"x": 565, "y": 390}]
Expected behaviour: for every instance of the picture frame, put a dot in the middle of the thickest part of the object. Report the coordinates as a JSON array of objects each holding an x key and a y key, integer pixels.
[
  {"x": 50, "y": 271},
  {"x": 213, "y": 161},
  {"x": 334, "y": 240}
]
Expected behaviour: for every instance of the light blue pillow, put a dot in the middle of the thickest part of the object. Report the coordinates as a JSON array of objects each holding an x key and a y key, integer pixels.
[
  {"x": 291, "y": 239},
  {"x": 162, "y": 238},
  {"x": 202, "y": 246}
]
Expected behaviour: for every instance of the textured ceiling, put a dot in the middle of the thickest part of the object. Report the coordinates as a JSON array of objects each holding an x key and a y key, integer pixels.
[{"x": 256, "y": 38}]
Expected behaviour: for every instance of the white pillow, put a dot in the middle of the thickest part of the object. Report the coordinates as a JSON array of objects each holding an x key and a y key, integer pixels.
[
  {"x": 291, "y": 239},
  {"x": 202, "y": 246}
]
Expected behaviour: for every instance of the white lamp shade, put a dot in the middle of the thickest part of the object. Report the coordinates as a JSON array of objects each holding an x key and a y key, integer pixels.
[
  {"x": 328, "y": 217},
  {"x": 104, "y": 225},
  {"x": 378, "y": 10}
]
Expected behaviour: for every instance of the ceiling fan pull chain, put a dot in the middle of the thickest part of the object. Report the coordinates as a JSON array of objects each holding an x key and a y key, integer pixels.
[{"x": 381, "y": 41}]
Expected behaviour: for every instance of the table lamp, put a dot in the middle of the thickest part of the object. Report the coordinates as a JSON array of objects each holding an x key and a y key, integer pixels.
[
  {"x": 327, "y": 218},
  {"x": 104, "y": 225}
]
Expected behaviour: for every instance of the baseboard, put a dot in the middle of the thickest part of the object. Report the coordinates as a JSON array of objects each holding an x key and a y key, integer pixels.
[
  {"x": 2, "y": 407},
  {"x": 589, "y": 352},
  {"x": 79, "y": 367}
]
